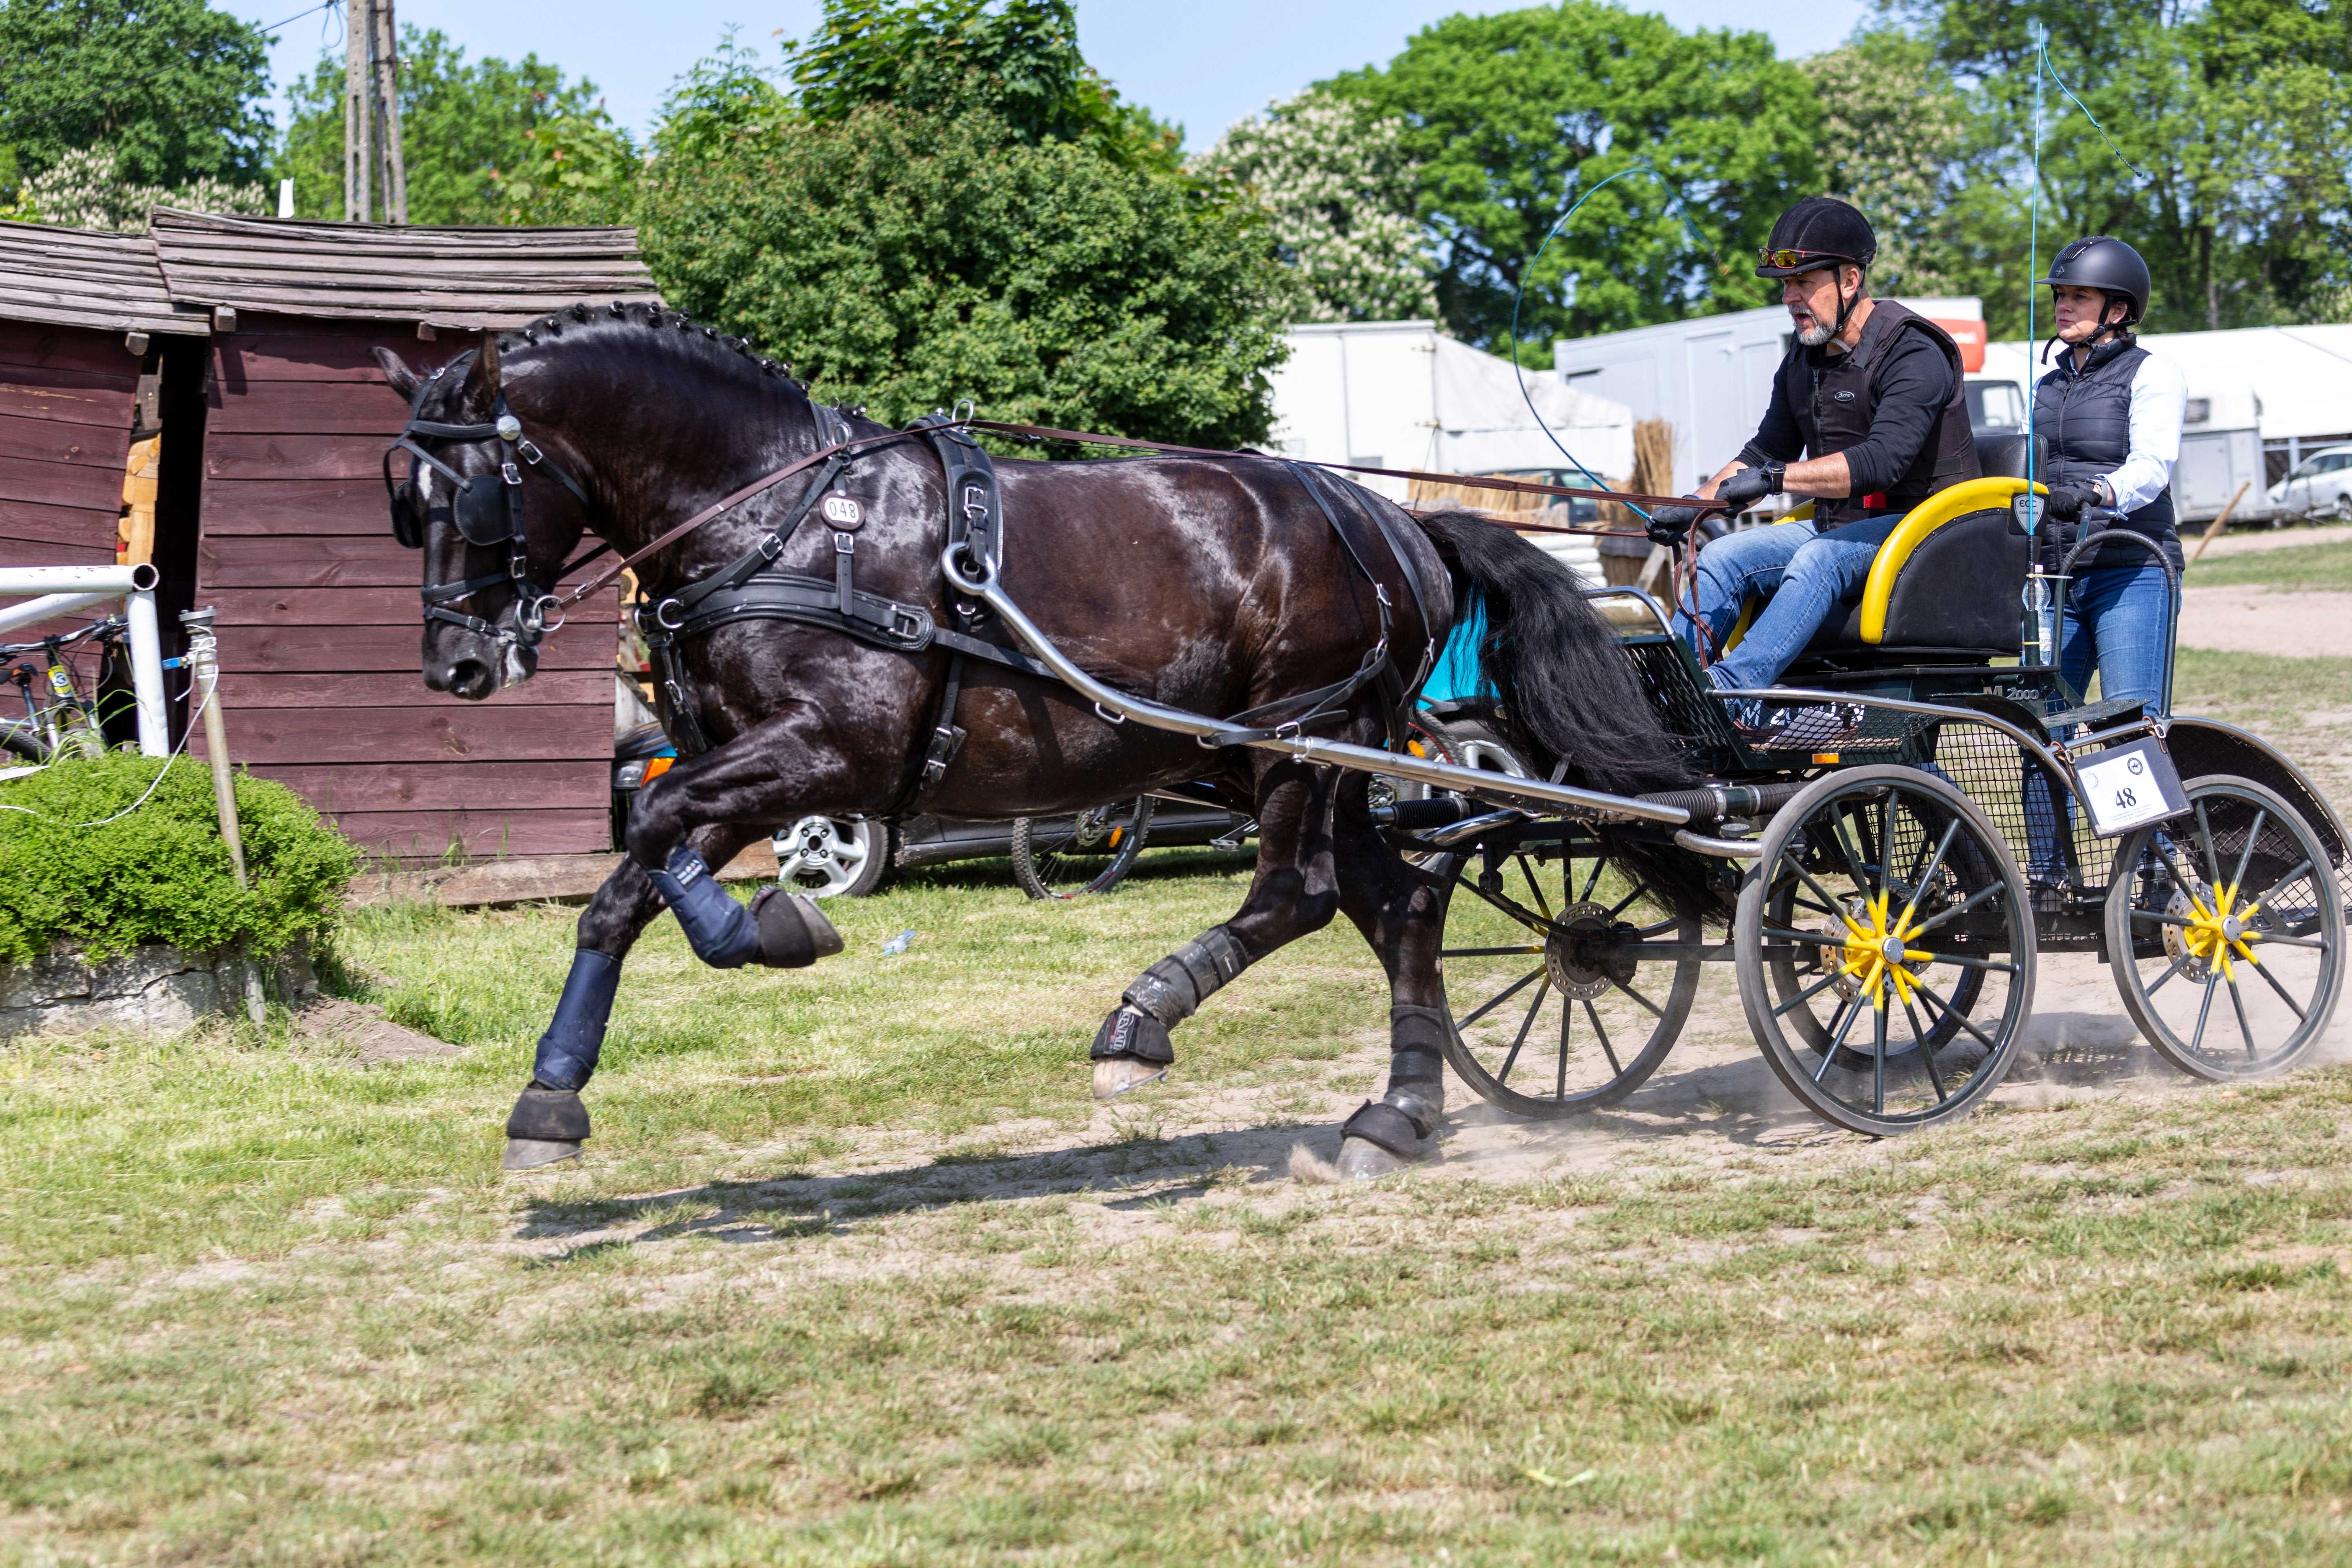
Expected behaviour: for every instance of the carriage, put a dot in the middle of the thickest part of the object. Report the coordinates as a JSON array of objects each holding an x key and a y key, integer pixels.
[
  {"x": 1864, "y": 835},
  {"x": 1857, "y": 845}
]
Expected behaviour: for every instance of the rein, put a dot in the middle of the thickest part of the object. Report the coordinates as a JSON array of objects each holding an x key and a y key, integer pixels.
[{"x": 1046, "y": 433}]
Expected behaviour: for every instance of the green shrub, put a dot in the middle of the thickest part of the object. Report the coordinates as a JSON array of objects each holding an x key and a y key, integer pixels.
[{"x": 161, "y": 872}]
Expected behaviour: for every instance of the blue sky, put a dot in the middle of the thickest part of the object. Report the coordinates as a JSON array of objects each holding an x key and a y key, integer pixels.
[{"x": 1204, "y": 63}]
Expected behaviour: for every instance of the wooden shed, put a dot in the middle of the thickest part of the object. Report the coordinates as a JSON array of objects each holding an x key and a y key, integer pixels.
[
  {"x": 93, "y": 356},
  {"x": 320, "y": 622}
]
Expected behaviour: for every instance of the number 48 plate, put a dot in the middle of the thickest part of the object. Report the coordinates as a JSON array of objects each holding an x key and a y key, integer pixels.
[{"x": 2129, "y": 786}]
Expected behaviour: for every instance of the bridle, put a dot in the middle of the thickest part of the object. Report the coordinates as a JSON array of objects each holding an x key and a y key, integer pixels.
[{"x": 485, "y": 509}]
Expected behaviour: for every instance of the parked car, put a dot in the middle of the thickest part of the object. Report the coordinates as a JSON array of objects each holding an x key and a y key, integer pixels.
[
  {"x": 2321, "y": 486},
  {"x": 829, "y": 857}
]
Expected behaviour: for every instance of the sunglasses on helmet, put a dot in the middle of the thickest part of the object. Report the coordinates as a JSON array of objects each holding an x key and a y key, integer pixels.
[{"x": 1795, "y": 257}]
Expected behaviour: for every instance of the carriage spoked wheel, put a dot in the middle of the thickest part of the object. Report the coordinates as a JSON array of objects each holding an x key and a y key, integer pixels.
[
  {"x": 1885, "y": 950},
  {"x": 1066, "y": 856},
  {"x": 1553, "y": 1008},
  {"x": 2224, "y": 932}
]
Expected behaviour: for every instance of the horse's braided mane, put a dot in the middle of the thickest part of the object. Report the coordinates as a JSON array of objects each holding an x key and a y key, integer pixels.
[{"x": 627, "y": 316}]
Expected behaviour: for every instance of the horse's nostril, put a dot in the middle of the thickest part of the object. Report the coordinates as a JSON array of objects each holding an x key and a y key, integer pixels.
[{"x": 472, "y": 680}]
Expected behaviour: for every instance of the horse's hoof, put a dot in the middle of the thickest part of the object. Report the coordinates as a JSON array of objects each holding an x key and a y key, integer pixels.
[
  {"x": 1361, "y": 1160},
  {"x": 1114, "y": 1075},
  {"x": 530, "y": 1153}
]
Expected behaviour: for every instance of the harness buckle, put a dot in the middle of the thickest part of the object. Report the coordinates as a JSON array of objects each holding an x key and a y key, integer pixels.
[
  {"x": 530, "y": 452},
  {"x": 662, "y": 613},
  {"x": 908, "y": 622},
  {"x": 509, "y": 473},
  {"x": 844, "y": 544},
  {"x": 770, "y": 547}
]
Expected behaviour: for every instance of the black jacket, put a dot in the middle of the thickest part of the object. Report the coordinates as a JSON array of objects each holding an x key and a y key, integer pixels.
[
  {"x": 1897, "y": 405},
  {"x": 2084, "y": 418}
]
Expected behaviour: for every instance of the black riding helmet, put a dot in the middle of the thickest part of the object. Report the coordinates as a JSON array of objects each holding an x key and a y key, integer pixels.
[
  {"x": 2107, "y": 265},
  {"x": 1818, "y": 232}
]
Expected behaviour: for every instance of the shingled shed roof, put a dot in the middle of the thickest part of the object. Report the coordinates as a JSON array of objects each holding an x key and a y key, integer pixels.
[
  {"x": 83, "y": 278},
  {"x": 449, "y": 277}
]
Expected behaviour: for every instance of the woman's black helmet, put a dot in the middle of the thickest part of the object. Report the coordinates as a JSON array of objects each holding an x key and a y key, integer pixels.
[
  {"x": 1818, "y": 232},
  {"x": 2105, "y": 264}
]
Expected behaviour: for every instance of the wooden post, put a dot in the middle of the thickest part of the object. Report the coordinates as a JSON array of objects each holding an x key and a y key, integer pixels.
[
  {"x": 359, "y": 122},
  {"x": 2221, "y": 522},
  {"x": 203, "y": 662},
  {"x": 387, "y": 97}
]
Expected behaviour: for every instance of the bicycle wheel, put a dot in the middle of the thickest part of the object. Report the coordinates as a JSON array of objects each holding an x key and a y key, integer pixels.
[
  {"x": 2237, "y": 901},
  {"x": 1066, "y": 856},
  {"x": 1542, "y": 978},
  {"x": 1885, "y": 885}
]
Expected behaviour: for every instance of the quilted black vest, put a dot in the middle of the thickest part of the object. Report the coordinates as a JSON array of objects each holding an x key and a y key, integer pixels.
[
  {"x": 2085, "y": 416},
  {"x": 1833, "y": 400}
]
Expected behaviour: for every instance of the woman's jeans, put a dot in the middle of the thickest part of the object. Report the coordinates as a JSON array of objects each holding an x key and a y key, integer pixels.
[
  {"x": 1805, "y": 576},
  {"x": 2120, "y": 615}
]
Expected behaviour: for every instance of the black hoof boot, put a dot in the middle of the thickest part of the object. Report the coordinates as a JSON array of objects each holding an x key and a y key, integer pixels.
[
  {"x": 548, "y": 1125},
  {"x": 793, "y": 933},
  {"x": 1131, "y": 1049},
  {"x": 1378, "y": 1140}
]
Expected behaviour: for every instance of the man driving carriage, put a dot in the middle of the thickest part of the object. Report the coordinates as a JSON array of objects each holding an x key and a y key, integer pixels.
[{"x": 1868, "y": 417}]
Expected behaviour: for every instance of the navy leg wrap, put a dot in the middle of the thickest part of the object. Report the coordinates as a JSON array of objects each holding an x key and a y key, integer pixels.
[
  {"x": 567, "y": 1052},
  {"x": 721, "y": 932}
]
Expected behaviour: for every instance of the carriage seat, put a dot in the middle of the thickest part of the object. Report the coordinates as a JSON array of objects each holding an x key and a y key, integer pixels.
[{"x": 1947, "y": 585}]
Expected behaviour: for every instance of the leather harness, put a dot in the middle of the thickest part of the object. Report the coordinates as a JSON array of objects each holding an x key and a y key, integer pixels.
[{"x": 748, "y": 588}]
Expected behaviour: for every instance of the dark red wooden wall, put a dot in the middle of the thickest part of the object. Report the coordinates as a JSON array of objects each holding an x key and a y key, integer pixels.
[
  {"x": 320, "y": 630},
  {"x": 66, "y": 399}
]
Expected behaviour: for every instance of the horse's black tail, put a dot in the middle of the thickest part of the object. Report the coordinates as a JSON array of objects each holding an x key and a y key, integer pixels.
[{"x": 1567, "y": 689}]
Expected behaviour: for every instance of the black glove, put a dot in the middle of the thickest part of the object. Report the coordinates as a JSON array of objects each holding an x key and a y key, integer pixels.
[
  {"x": 2066, "y": 501},
  {"x": 1670, "y": 525},
  {"x": 1748, "y": 486}
]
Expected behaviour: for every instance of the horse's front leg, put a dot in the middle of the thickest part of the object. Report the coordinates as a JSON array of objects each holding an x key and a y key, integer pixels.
[{"x": 696, "y": 817}]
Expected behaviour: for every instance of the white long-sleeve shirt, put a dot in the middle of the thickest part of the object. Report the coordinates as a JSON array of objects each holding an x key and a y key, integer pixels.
[{"x": 2160, "y": 397}]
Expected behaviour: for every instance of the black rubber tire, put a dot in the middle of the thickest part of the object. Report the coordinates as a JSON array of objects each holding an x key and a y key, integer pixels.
[
  {"x": 2324, "y": 917},
  {"x": 1047, "y": 870},
  {"x": 1794, "y": 1051}
]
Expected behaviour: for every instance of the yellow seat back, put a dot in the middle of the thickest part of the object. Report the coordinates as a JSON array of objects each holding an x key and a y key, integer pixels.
[{"x": 1944, "y": 506}]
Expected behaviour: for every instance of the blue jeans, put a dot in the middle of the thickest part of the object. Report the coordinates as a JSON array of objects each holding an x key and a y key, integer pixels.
[
  {"x": 2120, "y": 616},
  {"x": 1805, "y": 576}
]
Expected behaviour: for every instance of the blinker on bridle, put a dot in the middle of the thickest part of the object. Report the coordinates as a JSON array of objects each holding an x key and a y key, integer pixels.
[{"x": 487, "y": 510}]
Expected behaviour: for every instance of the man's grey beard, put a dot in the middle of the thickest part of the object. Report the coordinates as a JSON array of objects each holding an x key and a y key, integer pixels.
[{"x": 1814, "y": 336}]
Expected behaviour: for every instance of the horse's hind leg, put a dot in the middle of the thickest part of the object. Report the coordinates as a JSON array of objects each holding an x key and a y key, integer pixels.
[
  {"x": 1293, "y": 894},
  {"x": 1398, "y": 913},
  {"x": 550, "y": 1122}
]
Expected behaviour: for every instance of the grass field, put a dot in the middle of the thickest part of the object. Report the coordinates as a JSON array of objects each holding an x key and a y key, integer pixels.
[
  {"x": 855, "y": 1273},
  {"x": 2303, "y": 567}
]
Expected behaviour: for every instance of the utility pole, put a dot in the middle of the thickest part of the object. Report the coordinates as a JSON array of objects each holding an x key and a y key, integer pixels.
[{"x": 371, "y": 114}]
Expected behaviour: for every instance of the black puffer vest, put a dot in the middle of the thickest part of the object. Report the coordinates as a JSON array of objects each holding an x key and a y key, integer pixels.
[
  {"x": 1833, "y": 399},
  {"x": 2085, "y": 416}
]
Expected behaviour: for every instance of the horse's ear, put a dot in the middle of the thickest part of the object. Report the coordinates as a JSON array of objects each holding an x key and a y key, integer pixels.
[
  {"x": 397, "y": 371},
  {"x": 480, "y": 390}
]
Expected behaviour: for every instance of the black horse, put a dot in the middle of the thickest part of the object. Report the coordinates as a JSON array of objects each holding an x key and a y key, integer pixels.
[{"x": 1215, "y": 585}]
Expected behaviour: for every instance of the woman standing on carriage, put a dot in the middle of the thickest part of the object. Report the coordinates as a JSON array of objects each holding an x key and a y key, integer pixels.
[{"x": 2109, "y": 415}]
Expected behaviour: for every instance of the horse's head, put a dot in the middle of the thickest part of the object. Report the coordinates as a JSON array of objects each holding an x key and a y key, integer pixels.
[{"x": 494, "y": 513}]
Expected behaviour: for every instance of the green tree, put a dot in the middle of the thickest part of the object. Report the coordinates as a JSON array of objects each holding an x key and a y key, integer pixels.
[
  {"x": 1512, "y": 117},
  {"x": 1896, "y": 134},
  {"x": 1340, "y": 189},
  {"x": 899, "y": 260},
  {"x": 1015, "y": 59},
  {"x": 171, "y": 88},
  {"x": 485, "y": 142},
  {"x": 2224, "y": 156}
]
